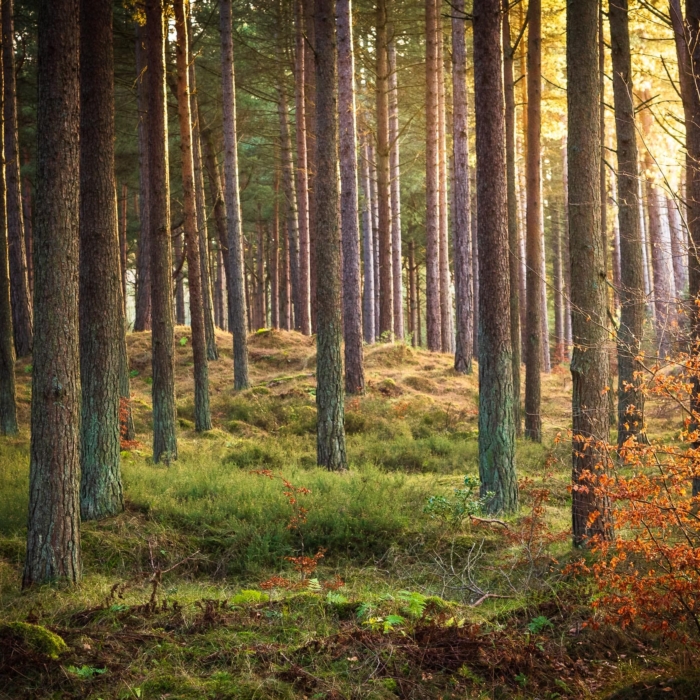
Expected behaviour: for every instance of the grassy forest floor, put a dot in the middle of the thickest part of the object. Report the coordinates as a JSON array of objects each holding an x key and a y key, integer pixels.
[{"x": 179, "y": 601}]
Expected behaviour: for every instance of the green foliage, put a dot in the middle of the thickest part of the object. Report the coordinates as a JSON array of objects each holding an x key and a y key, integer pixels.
[
  {"x": 454, "y": 511},
  {"x": 39, "y": 639},
  {"x": 249, "y": 597},
  {"x": 86, "y": 672},
  {"x": 414, "y": 603},
  {"x": 539, "y": 624}
]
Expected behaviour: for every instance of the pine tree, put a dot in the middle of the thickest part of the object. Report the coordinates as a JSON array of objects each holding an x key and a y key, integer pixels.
[
  {"x": 53, "y": 530},
  {"x": 350, "y": 227},
  {"x": 21, "y": 301},
  {"x": 101, "y": 302},
  {"x": 496, "y": 416},
  {"x": 163, "y": 349},
  {"x": 329, "y": 372},
  {"x": 589, "y": 363},
  {"x": 233, "y": 207}
]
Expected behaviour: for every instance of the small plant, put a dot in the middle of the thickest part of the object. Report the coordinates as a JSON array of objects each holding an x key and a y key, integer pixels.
[
  {"x": 539, "y": 624},
  {"x": 462, "y": 506},
  {"x": 183, "y": 341},
  {"x": 86, "y": 672},
  {"x": 415, "y": 603}
]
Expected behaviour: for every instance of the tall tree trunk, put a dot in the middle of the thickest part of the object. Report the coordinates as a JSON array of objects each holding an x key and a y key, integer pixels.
[
  {"x": 101, "y": 276},
  {"x": 461, "y": 195},
  {"x": 310, "y": 98},
  {"x": 329, "y": 373},
  {"x": 292, "y": 211},
  {"x": 8, "y": 394},
  {"x": 432, "y": 182},
  {"x": 349, "y": 221},
  {"x": 496, "y": 419},
  {"x": 419, "y": 331},
  {"x": 533, "y": 357},
  {"x": 375, "y": 236},
  {"x": 233, "y": 207},
  {"x": 559, "y": 339},
  {"x": 274, "y": 258},
  {"x": 413, "y": 276},
  {"x": 142, "y": 318},
  {"x": 123, "y": 244},
  {"x": 475, "y": 272},
  {"x": 260, "y": 276},
  {"x": 589, "y": 364},
  {"x": 178, "y": 261},
  {"x": 207, "y": 300},
  {"x": 302, "y": 174},
  {"x": 285, "y": 285},
  {"x": 446, "y": 323},
  {"x": 163, "y": 338},
  {"x": 648, "y": 280},
  {"x": 21, "y": 300},
  {"x": 661, "y": 251},
  {"x": 28, "y": 233},
  {"x": 53, "y": 530},
  {"x": 386, "y": 282},
  {"x": 220, "y": 285},
  {"x": 566, "y": 252},
  {"x": 202, "y": 414},
  {"x": 395, "y": 169},
  {"x": 546, "y": 355},
  {"x": 368, "y": 253},
  {"x": 513, "y": 234},
  {"x": 617, "y": 272}
]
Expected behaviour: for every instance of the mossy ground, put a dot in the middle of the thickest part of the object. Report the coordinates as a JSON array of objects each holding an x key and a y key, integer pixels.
[{"x": 197, "y": 633}]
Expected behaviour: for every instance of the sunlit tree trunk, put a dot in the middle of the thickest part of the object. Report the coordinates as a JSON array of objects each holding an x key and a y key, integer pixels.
[
  {"x": 202, "y": 414},
  {"x": 53, "y": 530},
  {"x": 163, "y": 349},
  {"x": 395, "y": 169},
  {"x": 496, "y": 418},
  {"x": 589, "y": 363},
  {"x": 678, "y": 246},
  {"x": 533, "y": 357},
  {"x": 21, "y": 301},
  {"x": 142, "y": 319},
  {"x": 178, "y": 260},
  {"x": 432, "y": 182},
  {"x": 302, "y": 176},
  {"x": 367, "y": 252},
  {"x": 274, "y": 257},
  {"x": 101, "y": 278},
  {"x": 461, "y": 195},
  {"x": 8, "y": 393},
  {"x": 233, "y": 207},
  {"x": 329, "y": 373},
  {"x": 513, "y": 233},
  {"x": 413, "y": 274},
  {"x": 350, "y": 227},
  {"x": 559, "y": 339}
]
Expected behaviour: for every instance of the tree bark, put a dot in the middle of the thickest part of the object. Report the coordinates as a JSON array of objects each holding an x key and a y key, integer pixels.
[
  {"x": 302, "y": 175},
  {"x": 163, "y": 349},
  {"x": 142, "y": 319},
  {"x": 432, "y": 182},
  {"x": 534, "y": 252},
  {"x": 513, "y": 234},
  {"x": 274, "y": 257},
  {"x": 678, "y": 246},
  {"x": 178, "y": 258},
  {"x": 122, "y": 220},
  {"x": 367, "y": 253},
  {"x": 413, "y": 294},
  {"x": 461, "y": 195},
  {"x": 496, "y": 417},
  {"x": 8, "y": 393},
  {"x": 28, "y": 234},
  {"x": 349, "y": 221},
  {"x": 233, "y": 207},
  {"x": 21, "y": 300},
  {"x": 202, "y": 414},
  {"x": 589, "y": 364},
  {"x": 101, "y": 276},
  {"x": 329, "y": 373},
  {"x": 53, "y": 531},
  {"x": 559, "y": 340},
  {"x": 395, "y": 170}
]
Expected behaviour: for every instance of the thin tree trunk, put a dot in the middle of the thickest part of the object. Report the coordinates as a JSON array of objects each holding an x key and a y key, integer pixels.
[
  {"x": 123, "y": 245},
  {"x": 368, "y": 253},
  {"x": 207, "y": 300},
  {"x": 678, "y": 245},
  {"x": 475, "y": 273},
  {"x": 589, "y": 364},
  {"x": 350, "y": 225},
  {"x": 163, "y": 338},
  {"x": 559, "y": 340},
  {"x": 386, "y": 283},
  {"x": 566, "y": 252},
  {"x": 513, "y": 234},
  {"x": 21, "y": 300},
  {"x": 28, "y": 233},
  {"x": 461, "y": 196},
  {"x": 496, "y": 419},
  {"x": 178, "y": 257},
  {"x": 274, "y": 258},
  {"x": 546, "y": 355},
  {"x": 375, "y": 237},
  {"x": 101, "y": 275},
  {"x": 446, "y": 323},
  {"x": 395, "y": 168},
  {"x": 260, "y": 277},
  {"x": 419, "y": 332},
  {"x": 330, "y": 443},
  {"x": 202, "y": 414},
  {"x": 285, "y": 285},
  {"x": 302, "y": 175},
  {"x": 413, "y": 274},
  {"x": 8, "y": 393},
  {"x": 53, "y": 531},
  {"x": 142, "y": 318},
  {"x": 292, "y": 212},
  {"x": 233, "y": 207},
  {"x": 432, "y": 182}
]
